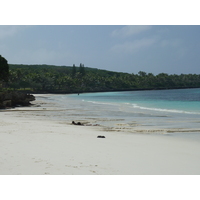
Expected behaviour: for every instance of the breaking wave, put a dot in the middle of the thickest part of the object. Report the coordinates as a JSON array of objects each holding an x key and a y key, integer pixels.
[{"x": 165, "y": 110}]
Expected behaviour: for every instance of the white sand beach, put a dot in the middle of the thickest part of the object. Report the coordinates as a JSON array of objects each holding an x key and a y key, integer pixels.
[{"x": 32, "y": 146}]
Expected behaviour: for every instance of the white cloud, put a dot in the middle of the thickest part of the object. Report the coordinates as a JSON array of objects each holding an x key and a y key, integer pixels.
[
  {"x": 130, "y": 30},
  {"x": 134, "y": 46}
]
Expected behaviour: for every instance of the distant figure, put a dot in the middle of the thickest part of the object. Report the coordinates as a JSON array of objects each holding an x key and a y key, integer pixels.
[{"x": 78, "y": 93}]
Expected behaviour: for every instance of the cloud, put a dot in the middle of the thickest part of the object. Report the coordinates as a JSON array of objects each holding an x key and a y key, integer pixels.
[
  {"x": 134, "y": 46},
  {"x": 7, "y": 31},
  {"x": 130, "y": 30},
  {"x": 10, "y": 31}
]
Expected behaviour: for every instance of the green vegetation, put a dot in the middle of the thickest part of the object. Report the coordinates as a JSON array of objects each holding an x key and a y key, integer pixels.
[
  {"x": 72, "y": 79},
  {"x": 4, "y": 70},
  {"x": 9, "y": 98},
  {"x": 16, "y": 81}
]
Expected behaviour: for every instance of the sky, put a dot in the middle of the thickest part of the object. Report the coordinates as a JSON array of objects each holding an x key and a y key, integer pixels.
[{"x": 123, "y": 48}]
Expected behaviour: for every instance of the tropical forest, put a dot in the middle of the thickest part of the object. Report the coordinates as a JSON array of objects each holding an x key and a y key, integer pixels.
[{"x": 78, "y": 79}]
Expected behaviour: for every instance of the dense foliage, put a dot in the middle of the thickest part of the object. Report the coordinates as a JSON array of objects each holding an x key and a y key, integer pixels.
[
  {"x": 4, "y": 69},
  {"x": 63, "y": 79}
]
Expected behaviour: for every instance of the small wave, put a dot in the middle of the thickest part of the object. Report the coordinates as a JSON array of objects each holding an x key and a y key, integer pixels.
[
  {"x": 165, "y": 110},
  {"x": 101, "y": 103}
]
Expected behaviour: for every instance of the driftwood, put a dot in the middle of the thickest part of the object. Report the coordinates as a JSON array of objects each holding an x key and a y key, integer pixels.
[{"x": 81, "y": 124}]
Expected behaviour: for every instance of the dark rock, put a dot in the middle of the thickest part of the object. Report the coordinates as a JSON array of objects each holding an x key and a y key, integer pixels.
[
  {"x": 101, "y": 136},
  {"x": 7, "y": 103},
  {"x": 78, "y": 123},
  {"x": 14, "y": 98}
]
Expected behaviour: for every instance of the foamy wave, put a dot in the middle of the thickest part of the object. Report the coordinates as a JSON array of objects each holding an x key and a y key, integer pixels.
[
  {"x": 164, "y": 110},
  {"x": 101, "y": 103},
  {"x": 144, "y": 108}
]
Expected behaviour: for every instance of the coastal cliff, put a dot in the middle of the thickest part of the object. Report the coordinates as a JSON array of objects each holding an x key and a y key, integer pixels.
[{"x": 15, "y": 98}]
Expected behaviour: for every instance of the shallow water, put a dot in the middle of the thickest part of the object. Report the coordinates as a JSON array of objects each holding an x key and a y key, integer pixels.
[{"x": 166, "y": 112}]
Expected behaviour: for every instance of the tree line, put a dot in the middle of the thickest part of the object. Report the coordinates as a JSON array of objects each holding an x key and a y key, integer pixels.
[{"x": 76, "y": 79}]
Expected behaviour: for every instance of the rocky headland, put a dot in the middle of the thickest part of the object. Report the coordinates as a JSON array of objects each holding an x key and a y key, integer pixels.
[{"x": 10, "y": 99}]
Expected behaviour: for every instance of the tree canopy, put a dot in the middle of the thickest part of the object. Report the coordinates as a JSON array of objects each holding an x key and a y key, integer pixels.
[
  {"x": 71, "y": 79},
  {"x": 4, "y": 69}
]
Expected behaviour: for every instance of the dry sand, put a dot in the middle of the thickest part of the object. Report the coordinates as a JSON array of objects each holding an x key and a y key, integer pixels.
[{"x": 31, "y": 146}]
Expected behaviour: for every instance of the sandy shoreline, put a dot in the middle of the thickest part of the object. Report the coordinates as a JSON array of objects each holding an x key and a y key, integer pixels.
[{"x": 31, "y": 146}]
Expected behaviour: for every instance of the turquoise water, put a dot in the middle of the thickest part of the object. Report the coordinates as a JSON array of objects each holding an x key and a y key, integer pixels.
[
  {"x": 155, "y": 111},
  {"x": 177, "y": 101}
]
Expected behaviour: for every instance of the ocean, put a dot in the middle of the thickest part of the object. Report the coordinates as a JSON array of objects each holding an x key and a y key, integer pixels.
[{"x": 167, "y": 112}]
